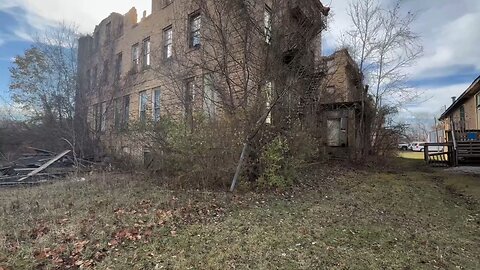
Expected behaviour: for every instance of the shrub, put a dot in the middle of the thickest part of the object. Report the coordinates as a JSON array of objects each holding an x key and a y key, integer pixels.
[
  {"x": 202, "y": 157},
  {"x": 278, "y": 167}
]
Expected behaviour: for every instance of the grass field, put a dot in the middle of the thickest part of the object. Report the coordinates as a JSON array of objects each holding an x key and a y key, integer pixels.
[
  {"x": 411, "y": 155},
  {"x": 409, "y": 217}
]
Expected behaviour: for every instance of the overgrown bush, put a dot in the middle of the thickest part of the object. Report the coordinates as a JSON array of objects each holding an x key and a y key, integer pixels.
[
  {"x": 204, "y": 156},
  {"x": 207, "y": 154},
  {"x": 277, "y": 165}
]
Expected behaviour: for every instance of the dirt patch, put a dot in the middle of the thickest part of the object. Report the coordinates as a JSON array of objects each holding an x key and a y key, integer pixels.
[{"x": 472, "y": 170}]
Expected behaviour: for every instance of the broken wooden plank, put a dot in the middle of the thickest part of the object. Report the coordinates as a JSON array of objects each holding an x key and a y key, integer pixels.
[
  {"x": 24, "y": 169},
  {"x": 42, "y": 151},
  {"x": 44, "y": 166}
]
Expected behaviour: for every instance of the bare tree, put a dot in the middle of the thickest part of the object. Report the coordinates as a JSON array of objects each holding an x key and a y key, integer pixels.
[
  {"x": 43, "y": 81},
  {"x": 384, "y": 45}
]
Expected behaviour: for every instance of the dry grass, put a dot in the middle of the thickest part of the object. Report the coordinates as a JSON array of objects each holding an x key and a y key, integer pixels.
[
  {"x": 402, "y": 219},
  {"x": 411, "y": 155}
]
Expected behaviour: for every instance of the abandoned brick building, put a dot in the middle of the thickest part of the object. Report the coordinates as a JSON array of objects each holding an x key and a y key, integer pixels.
[{"x": 216, "y": 58}]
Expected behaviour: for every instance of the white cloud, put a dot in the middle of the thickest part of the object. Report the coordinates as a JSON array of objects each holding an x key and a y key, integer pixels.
[
  {"x": 450, "y": 36},
  {"x": 434, "y": 101},
  {"x": 449, "y": 31},
  {"x": 86, "y": 13},
  {"x": 452, "y": 47}
]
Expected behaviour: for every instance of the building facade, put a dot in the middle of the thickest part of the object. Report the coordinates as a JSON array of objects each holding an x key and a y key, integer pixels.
[
  {"x": 464, "y": 112},
  {"x": 345, "y": 109},
  {"x": 192, "y": 57}
]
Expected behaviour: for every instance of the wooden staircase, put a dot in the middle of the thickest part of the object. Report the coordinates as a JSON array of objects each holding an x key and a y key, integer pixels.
[
  {"x": 467, "y": 146},
  {"x": 468, "y": 150}
]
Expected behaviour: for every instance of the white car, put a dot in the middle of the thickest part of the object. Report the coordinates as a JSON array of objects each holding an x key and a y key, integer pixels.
[
  {"x": 417, "y": 146},
  {"x": 403, "y": 146}
]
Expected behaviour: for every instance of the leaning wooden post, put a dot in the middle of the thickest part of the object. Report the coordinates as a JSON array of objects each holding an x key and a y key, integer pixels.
[{"x": 239, "y": 167}]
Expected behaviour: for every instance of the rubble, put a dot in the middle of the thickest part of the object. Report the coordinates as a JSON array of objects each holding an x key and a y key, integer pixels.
[{"x": 40, "y": 166}]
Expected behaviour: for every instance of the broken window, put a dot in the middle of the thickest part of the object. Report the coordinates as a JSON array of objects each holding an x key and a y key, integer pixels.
[
  {"x": 119, "y": 31},
  {"x": 103, "y": 120},
  {"x": 135, "y": 57},
  {"x": 96, "y": 118},
  {"x": 267, "y": 18},
  {"x": 146, "y": 52},
  {"x": 268, "y": 90},
  {"x": 94, "y": 77},
  {"x": 118, "y": 67},
  {"x": 156, "y": 104},
  {"x": 331, "y": 67},
  {"x": 97, "y": 40},
  {"x": 194, "y": 25},
  {"x": 89, "y": 80},
  {"x": 105, "y": 72},
  {"x": 117, "y": 113},
  {"x": 337, "y": 132},
  {"x": 126, "y": 111},
  {"x": 168, "y": 42},
  {"x": 188, "y": 98},
  {"x": 143, "y": 99},
  {"x": 210, "y": 96},
  {"x": 108, "y": 32}
]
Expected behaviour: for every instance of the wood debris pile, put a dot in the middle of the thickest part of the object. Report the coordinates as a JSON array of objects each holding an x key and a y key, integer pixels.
[{"x": 40, "y": 166}]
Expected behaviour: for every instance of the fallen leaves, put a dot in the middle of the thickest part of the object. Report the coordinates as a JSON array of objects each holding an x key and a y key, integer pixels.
[
  {"x": 85, "y": 242},
  {"x": 39, "y": 231}
]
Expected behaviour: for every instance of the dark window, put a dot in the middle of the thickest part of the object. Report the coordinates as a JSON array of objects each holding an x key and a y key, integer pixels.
[
  {"x": 89, "y": 80},
  {"x": 126, "y": 111},
  {"x": 210, "y": 97},
  {"x": 146, "y": 52},
  {"x": 195, "y": 22},
  {"x": 118, "y": 67},
  {"x": 103, "y": 119},
  {"x": 268, "y": 24},
  {"x": 135, "y": 56},
  {"x": 108, "y": 32},
  {"x": 168, "y": 42},
  {"x": 462, "y": 117},
  {"x": 94, "y": 77},
  {"x": 119, "y": 31},
  {"x": 97, "y": 40},
  {"x": 269, "y": 99},
  {"x": 156, "y": 104},
  {"x": 96, "y": 117},
  {"x": 105, "y": 72},
  {"x": 117, "y": 113},
  {"x": 143, "y": 99},
  {"x": 189, "y": 97}
]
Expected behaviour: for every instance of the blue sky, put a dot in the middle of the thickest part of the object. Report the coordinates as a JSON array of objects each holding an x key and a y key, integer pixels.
[
  {"x": 449, "y": 31},
  {"x": 451, "y": 60},
  {"x": 11, "y": 44}
]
